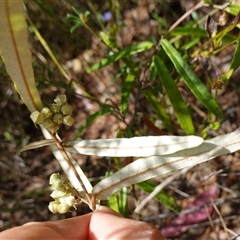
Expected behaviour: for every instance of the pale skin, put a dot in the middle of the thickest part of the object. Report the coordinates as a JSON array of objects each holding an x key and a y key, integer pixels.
[{"x": 102, "y": 224}]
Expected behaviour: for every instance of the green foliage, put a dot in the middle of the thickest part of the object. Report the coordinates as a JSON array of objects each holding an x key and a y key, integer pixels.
[
  {"x": 175, "y": 97},
  {"x": 133, "y": 49},
  {"x": 158, "y": 109},
  {"x": 148, "y": 187},
  {"x": 191, "y": 79},
  {"x": 149, "y": 76},
  {"x": 79, "y": 19},
  {"x": 103, "y": 111}
]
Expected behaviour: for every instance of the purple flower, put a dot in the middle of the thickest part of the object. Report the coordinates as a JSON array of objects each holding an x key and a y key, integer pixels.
[{"x": 106, "y": 16}]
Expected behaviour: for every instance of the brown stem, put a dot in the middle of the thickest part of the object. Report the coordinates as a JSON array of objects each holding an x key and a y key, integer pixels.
[{"x": 60, "y": 147}]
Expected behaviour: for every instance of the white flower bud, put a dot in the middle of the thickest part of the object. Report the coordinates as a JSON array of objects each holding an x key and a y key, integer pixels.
[
  {"x": 63, "y": 208},
  {"x": 58, "y": 193},
  {"x": 55, "y": 178},
  {"x": 69, "y": 200},
  {"x": 53, "y": 206},
  {"x": 59, "y": 187}
]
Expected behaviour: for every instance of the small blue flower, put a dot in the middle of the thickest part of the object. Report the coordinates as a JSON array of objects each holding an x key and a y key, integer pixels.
[{"x": 106, "y": 16}]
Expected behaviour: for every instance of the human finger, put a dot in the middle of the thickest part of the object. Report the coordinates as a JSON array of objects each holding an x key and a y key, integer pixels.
[
  {"x": 72, "y": 228},
  {"x": 107, "y": 224}
]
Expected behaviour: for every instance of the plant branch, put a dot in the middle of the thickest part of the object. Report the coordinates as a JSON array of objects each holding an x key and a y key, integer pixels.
[{"x": 60, "y": 147}]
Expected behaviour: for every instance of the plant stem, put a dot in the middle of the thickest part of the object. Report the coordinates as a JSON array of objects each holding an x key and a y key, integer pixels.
[{"x": 60, "y": 147}]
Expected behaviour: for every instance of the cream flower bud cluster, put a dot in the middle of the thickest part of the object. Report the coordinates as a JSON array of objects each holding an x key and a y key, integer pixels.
[
  {"x": 58, "y": 113},
  {"x": 63, "y": 200}
]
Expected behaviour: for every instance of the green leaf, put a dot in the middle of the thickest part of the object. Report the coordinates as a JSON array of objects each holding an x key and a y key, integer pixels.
[
  {"x": 191, "y": 79},
  {"x": 175, "y": 97},
  {"x": 186, "y": 31},
  {"x": 219, "y": 36},
  {"x": 236, "y": 57},
  {"x": 91, "y": 118},
  {"x": 123, "y": 202},
  {"x": 118, "y": 202},
  {"x": 159, "y": 109},
  {"x": 233, "y": 9},
  {"x": 168, "y": 201},
  {"x": 79, "y": 20},
  {"x": 190, "y": 44},
  {"x": 127, "y": 87},
  {"x": 130, "y": 50},
  {"x": 113, "y": 202},
  {"x": 208, "y": 1}
]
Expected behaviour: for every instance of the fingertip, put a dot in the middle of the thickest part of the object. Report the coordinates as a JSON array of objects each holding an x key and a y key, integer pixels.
[{"x": 104, "y": 209}]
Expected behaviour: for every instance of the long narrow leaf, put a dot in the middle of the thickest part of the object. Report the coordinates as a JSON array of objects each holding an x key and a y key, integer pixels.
[
  {"x": 235, "y": 61},
  {"x": 15, "y": 52},
  {"x": 186, "y": 31},
  {"x": 159, "y": 109},
  {"x": 192, "y": 80},
  {"x": 146, "y": 168},
  {"x": 136, "y": 146},
  {"x": 38, "y": 144},
  {"x": 180, "y": 108},
  {"x": 126, "y": 90},
  {"x": 130, "y": 50},
  {"x": 233, "y": 9}
]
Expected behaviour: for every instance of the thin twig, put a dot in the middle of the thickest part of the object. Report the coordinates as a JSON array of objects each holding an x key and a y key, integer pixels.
[
  {"x": 58, "y": 143},
  {"x": 184, "y": 16},
  {"x": 158, "y": 188},
  {"x": 221, "y": 219},
  {"x": 190, "y": 11}
]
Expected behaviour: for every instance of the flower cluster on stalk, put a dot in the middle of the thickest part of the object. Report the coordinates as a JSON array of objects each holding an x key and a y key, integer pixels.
[
  {"x": 52, "y": 117},
  {"x": 62, "y": 195}
]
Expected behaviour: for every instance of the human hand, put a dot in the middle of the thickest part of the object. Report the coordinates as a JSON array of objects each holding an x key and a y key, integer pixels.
[{"x": 101, "y": 224}]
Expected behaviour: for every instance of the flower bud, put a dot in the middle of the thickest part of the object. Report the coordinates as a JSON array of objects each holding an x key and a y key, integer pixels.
[
  {"x": 57, "y": 118},
  {"x": 50, "y": 125},
  {"x": 66, "y": 109},
  {"x": 46, "y": 112},
  {"x": 58, "y": 187},
  {"x": 63, "y": 208},
  {"x": 47, "y": 123},
  {"x": 53, "y": 206},
  {"x": 69, "y": 200},
  {"x": 60, "y": 100},
  {"x": 55, "y": 178},
  {"x": 68, "y": 120},
  {"x": 37, "y": 117},
  {"x": 58, "y": 193},
  {"x": 55, "y": 108}
]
